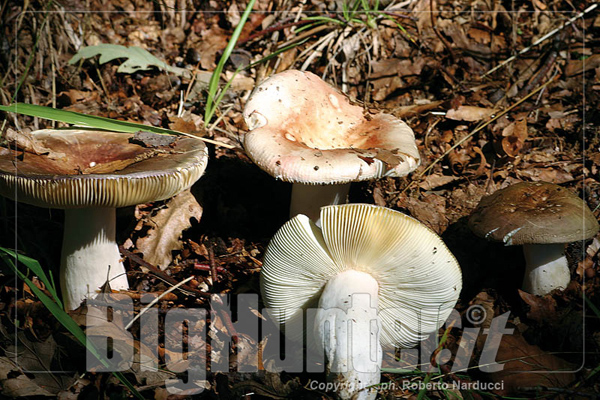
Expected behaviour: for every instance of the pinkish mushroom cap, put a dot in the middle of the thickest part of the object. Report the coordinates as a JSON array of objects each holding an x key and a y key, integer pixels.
[{"x": 303, "y": 130}]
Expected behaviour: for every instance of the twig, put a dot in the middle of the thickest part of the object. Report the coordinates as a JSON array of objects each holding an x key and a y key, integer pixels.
[
  {"x": 548, "y": 35},
  {"x": 543, "y": 71},
  {"x": 439, "y": 35},
  {"x": 212, "y": 263},
  {"x": 157, "y": 299}
]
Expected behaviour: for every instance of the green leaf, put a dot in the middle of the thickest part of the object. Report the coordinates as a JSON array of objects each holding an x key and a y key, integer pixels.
[{"x": 138, "y": 59}]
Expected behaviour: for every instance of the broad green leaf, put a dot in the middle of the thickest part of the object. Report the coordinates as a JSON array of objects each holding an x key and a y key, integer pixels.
[{"x": 138, "y": 59}]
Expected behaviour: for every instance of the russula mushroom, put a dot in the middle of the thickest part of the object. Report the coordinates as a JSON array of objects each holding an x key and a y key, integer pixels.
[
  {"x": 89, "y": 174},
  {"x": 542, "y": 217},
  {"x": 304, "y": 131},
  {"x": 409, "y": 277}
]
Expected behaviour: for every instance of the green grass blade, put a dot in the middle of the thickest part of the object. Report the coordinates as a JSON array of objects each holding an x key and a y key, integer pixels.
[
  {"x": 214, "y": 79},
  {"x": 35, "y": 267},
  {"x": 323, "y": 20},
  {"x": 91, "y": 121},
  {"x": 57, "y": 310}
]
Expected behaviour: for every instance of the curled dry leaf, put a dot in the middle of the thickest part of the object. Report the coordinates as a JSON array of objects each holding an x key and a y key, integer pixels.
[
  {"x": 27, "y": 143},
  {"x": 514, "y": 136},
  {"x": 166, "y": 228},
  {"x": 540, "y": 308},
  {"x": 469, "y": 113}
]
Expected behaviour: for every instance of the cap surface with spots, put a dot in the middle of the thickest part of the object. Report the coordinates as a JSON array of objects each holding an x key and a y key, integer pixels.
[
  {"x": 302, "y": 130},
  {"x": 533, "y": 213}
]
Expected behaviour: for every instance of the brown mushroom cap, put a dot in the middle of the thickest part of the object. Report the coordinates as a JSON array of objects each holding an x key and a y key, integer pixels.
[
  {"x": 533, "y": 213},
  {"x": 87, "y": 168},
  {"x": 303, "y": 130}
]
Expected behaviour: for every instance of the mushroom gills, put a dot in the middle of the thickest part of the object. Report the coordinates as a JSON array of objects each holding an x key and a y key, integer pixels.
[{"x": 348, "y": 328}]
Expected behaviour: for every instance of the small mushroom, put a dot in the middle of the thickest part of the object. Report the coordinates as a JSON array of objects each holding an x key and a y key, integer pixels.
[
  {"x": 409, "y": 277},
  {"x": 304, "y": 131},
  {"x": 89, "y": 174},
  {"x": 542, "y": 217}
]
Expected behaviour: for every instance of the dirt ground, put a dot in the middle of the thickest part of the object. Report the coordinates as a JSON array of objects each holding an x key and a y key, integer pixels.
[{"x": 496, "y": 93}]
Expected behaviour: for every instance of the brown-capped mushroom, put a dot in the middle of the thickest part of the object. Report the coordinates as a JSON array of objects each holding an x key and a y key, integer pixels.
[
  {"x": 542, "y": 217},
  {"x": 90, "y": 173}
]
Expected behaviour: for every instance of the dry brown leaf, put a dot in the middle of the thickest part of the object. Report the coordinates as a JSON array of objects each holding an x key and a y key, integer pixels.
[
  {"x": 521, "y": 358},
  {"x": 213, "y": 40},
  {"x": 469, "y": 113},
  {"x": 167, "y": 225},
  {"x": 27, "y": 142},
  {"x": 480, "y": 36},
  {"x": 415, "y": 109},
  {"x": 430, "y": 210},
  {"x": 396, "y": 66},
  {"x": 576, "y": 67},
  {"x": 540, "y": 308},
  {"x": 553, "y": 175},
  {"x": 22, "y": 386},
  {"x": 514, "y": 136},
  {"x": 436, "y": 180}
]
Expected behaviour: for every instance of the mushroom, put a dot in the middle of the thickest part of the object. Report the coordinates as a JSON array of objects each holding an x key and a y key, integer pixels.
[
  {"x": 304, "y": 131},
  {"x": 367, "y": 266},
  {"x": 89, "y": 174},
  {"x": 542, "y": 217}
]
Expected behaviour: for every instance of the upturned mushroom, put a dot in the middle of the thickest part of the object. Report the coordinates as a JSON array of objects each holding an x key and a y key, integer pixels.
[
  {"x": 366, "y": 266},
  {"x": 89, "y": 174},
  {"x": 304, "y": 131},
  {"x": 542, "y": 217}
]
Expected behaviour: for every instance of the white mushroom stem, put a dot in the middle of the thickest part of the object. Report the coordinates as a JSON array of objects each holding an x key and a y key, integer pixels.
[
  {"x": 89, "y": 250},
  {"x": 348, "y": 328},
  {"x": 546, "y": 268},
  {"x": 308, "y": 199}
]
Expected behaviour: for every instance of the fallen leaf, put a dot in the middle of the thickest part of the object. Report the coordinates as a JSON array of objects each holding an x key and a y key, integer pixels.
[
  {"x": 540, "y": 308},
  {"x": 436, "y": 180},
  {"x": 167, "y": 226},
  {"x": 527, "y": 366},
  {"x": 514, "y": 136},
  {"x": 28, "y": 143},
  {"x": 22, "y": 386},
  {"x": 395, "y": 66},
  {"x": 149, "y": 139},
  {"x": 576, "y": 67},
  {"x": 469, "y": 113}
]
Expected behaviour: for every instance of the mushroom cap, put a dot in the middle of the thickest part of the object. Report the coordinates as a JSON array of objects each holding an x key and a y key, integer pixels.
[
  {"x": 302, "y": 130},
  {"x": 86, "y": 168},
  {"x": 533, "y": 213},
  {"x": 419, "y": 279}
]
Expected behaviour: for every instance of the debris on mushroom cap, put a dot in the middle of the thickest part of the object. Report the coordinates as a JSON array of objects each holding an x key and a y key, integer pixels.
[
  {"x": 98, "y": 168},
  {"x": 533, "y": 213},
  {"x": 303, "y": 130},
  {"x": 419, "y": 278}
]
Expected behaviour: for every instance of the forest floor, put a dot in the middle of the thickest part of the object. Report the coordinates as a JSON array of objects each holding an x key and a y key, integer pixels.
[{"x": 496, "y": 93}]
